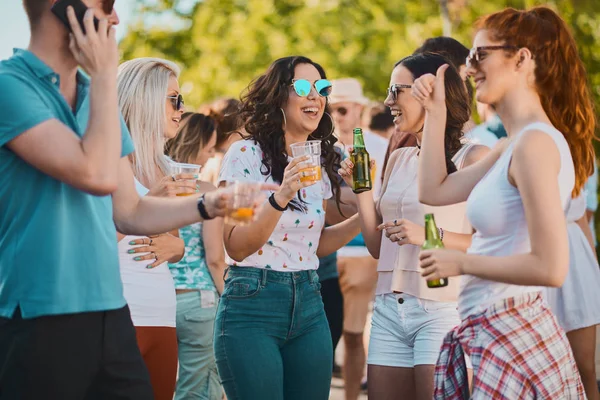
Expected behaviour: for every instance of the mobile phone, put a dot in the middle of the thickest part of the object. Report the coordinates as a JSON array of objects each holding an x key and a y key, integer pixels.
[{"x": 60, "y": 10}]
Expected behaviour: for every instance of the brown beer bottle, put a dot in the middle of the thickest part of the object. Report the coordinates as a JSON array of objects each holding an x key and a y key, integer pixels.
[
  {"x": 361, "y": 173},
  {"x": 433, "y": 241}
]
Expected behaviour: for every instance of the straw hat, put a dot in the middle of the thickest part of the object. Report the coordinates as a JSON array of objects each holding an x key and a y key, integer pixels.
[{"x": 347, "y": 90}]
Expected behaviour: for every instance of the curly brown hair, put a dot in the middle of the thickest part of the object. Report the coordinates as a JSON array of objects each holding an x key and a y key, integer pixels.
[{"x": 261, "y": 111}]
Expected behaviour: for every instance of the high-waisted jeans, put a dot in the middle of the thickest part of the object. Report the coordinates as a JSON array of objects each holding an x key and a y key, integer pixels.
[{"x": 272, "y": 340}]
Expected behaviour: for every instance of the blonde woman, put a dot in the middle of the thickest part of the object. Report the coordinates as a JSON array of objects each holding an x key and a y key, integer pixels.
[{"x": 152, "y": 106}]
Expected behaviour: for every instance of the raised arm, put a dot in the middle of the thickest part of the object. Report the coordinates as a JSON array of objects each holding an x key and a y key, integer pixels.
[
  {"x": 368, "y": 217},
  {"x": 243, "y": 241},
  {"x": 436, "y": 187},
  {"x": 151, "y": 215},
  {"x": 89, "y": 163},
  {"x": 348, "y": 206},
  {"x": 534, "y": 171},
  {"x": 336, "y": 236}
]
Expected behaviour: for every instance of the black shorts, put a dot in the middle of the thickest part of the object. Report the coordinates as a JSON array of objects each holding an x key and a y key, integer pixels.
[{"x": 84, "y": 356}]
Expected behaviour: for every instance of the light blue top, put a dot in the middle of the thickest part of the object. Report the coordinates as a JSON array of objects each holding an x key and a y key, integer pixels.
[
  {"x": 58, "y": 245},
  {"x": 591, "y": 197},
  {"x": 192, "y": 271}
]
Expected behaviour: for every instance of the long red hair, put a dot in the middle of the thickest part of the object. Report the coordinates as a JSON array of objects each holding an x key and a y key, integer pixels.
[{"x": 560, "y": 77}]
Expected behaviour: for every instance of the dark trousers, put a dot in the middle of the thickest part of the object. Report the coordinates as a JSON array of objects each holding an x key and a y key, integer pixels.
[
  {"x": 333, "y": 302},
  {"x": 85, "y": 356}
]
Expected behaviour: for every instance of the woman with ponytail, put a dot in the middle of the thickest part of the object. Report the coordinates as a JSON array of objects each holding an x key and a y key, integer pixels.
[
  {"x": 410, "y": 320},
  {"x": 525, "y": 64}
]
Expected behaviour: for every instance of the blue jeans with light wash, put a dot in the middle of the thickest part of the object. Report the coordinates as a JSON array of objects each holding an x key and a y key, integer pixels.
[
  {"x": 272, "y": 340},
  {"x": 198, "y": 377}
]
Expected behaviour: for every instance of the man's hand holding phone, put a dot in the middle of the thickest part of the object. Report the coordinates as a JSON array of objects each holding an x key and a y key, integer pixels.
[{"x": 95, "y": 51}]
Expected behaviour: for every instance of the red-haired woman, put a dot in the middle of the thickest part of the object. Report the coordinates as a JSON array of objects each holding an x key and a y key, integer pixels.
[{"x": 525, "y": 64}]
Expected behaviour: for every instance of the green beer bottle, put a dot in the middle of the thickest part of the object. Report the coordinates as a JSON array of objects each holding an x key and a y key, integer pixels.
[
  {"x": 361, "y": 173},
  {"x": 433, "y": 241}
]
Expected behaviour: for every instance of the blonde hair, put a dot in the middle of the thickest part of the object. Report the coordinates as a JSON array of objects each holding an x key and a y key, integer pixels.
[{"x": 142, "y": 86}]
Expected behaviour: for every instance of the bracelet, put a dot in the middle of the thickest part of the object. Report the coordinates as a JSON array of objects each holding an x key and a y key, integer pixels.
[
  {"x": 274, "y": 204},
  {"x": 202, "y": 209},
  {"x": 441, "y": 234}
]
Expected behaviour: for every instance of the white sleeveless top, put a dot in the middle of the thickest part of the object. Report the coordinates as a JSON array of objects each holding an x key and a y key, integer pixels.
[
  {"x": 150, "y": 293},
  {"x": 495, "y": 209},
  {"x": 398, "y": 266},
  {"x": 576, "y": 303}
]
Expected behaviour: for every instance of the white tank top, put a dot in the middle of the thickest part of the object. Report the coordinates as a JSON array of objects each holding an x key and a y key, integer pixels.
[
  {"x": 398, "y": 266},
  {"x": 495, "y": 209},
  {"x": 150, "y": 293}
]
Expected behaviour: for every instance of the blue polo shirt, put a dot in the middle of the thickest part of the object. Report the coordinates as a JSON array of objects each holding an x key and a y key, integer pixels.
[{"x": 58, "y": 245}]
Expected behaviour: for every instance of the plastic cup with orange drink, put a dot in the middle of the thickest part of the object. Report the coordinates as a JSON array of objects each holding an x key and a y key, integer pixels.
[
  {"x": 310, "y": 148},
  {"x": 244, "y": 194}
]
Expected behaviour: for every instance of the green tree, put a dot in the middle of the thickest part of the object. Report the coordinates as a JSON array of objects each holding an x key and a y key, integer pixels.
[{"x": 223, "y": 44}]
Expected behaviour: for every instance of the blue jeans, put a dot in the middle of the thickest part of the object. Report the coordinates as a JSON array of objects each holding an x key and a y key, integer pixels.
[
  {"x": 272, "y": 340},
  {"x": 198, "y": 377}
]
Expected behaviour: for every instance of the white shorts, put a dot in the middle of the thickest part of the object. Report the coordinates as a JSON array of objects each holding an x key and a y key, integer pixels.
[{"x": 407, "y": 331}]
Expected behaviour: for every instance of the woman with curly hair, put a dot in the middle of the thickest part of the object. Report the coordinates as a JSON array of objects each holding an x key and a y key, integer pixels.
[
  {"x": 272, "y": 339},
  {"x": 410, "y": 320}
]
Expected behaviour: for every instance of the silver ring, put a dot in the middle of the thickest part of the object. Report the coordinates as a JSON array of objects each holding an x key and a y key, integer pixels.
[{"x": 173, "y": 178}]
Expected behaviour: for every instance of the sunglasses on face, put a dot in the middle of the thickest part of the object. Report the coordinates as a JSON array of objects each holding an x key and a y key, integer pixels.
[
  {"x": 302, "y": 87},
  {"x": 396, "y": 88},
  {"x": 476, "y": 54},
  {"x": 341, "y": 110},
  {"x": 177, "y": 102}
]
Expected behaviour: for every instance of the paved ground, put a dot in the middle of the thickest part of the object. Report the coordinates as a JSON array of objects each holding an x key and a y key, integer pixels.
[{"x": 337, "y": 390}]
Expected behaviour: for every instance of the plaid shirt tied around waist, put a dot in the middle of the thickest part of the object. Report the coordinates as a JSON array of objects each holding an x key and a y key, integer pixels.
[{"x": 518, "y": 351}]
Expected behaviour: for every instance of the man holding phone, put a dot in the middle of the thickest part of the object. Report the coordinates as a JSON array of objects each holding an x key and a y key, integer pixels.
[{"x": 65, "y": 329}]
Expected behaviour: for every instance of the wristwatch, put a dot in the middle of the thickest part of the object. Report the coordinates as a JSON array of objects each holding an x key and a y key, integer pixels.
[{"x": 202, "y": 209}]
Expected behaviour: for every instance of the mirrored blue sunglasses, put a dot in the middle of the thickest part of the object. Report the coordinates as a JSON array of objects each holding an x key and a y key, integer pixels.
[{"x": 302, "y": 87}]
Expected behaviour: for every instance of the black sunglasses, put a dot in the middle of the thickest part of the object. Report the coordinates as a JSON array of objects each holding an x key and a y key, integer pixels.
[
  {"x": 475, "y": 55},
  {"x": 341, "y": 110},
  {"x": 177, "y": 102},
  {"x": 395, "y": 89}
]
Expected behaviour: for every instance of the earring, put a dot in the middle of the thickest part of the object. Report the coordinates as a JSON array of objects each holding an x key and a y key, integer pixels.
[
  {"x": 330, "y": 133},
  {"x": 284, "y": 119}
]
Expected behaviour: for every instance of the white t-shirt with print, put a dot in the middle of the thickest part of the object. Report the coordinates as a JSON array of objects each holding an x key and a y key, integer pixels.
[{"x": 293, "y": 244}]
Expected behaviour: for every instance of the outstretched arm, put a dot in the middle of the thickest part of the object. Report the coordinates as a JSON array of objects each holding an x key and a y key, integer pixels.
[{"x": 436, "y": 187}]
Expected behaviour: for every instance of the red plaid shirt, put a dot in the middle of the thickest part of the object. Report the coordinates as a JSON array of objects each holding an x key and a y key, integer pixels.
[{"x": 518, "y": 351}]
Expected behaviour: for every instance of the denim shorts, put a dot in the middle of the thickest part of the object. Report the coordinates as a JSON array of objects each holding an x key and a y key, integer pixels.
[{"x": 408, "y": 331}]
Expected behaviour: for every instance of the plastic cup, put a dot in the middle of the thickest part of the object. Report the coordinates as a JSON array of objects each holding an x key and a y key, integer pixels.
[
  {"x": 240, "y": 210},
  {"x": 182, "y": 168},
  {"x": 310, "y": 148}
]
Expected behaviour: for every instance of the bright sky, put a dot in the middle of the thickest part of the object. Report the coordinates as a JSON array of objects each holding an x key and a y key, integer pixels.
[{"x": 14, "y": 29}]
